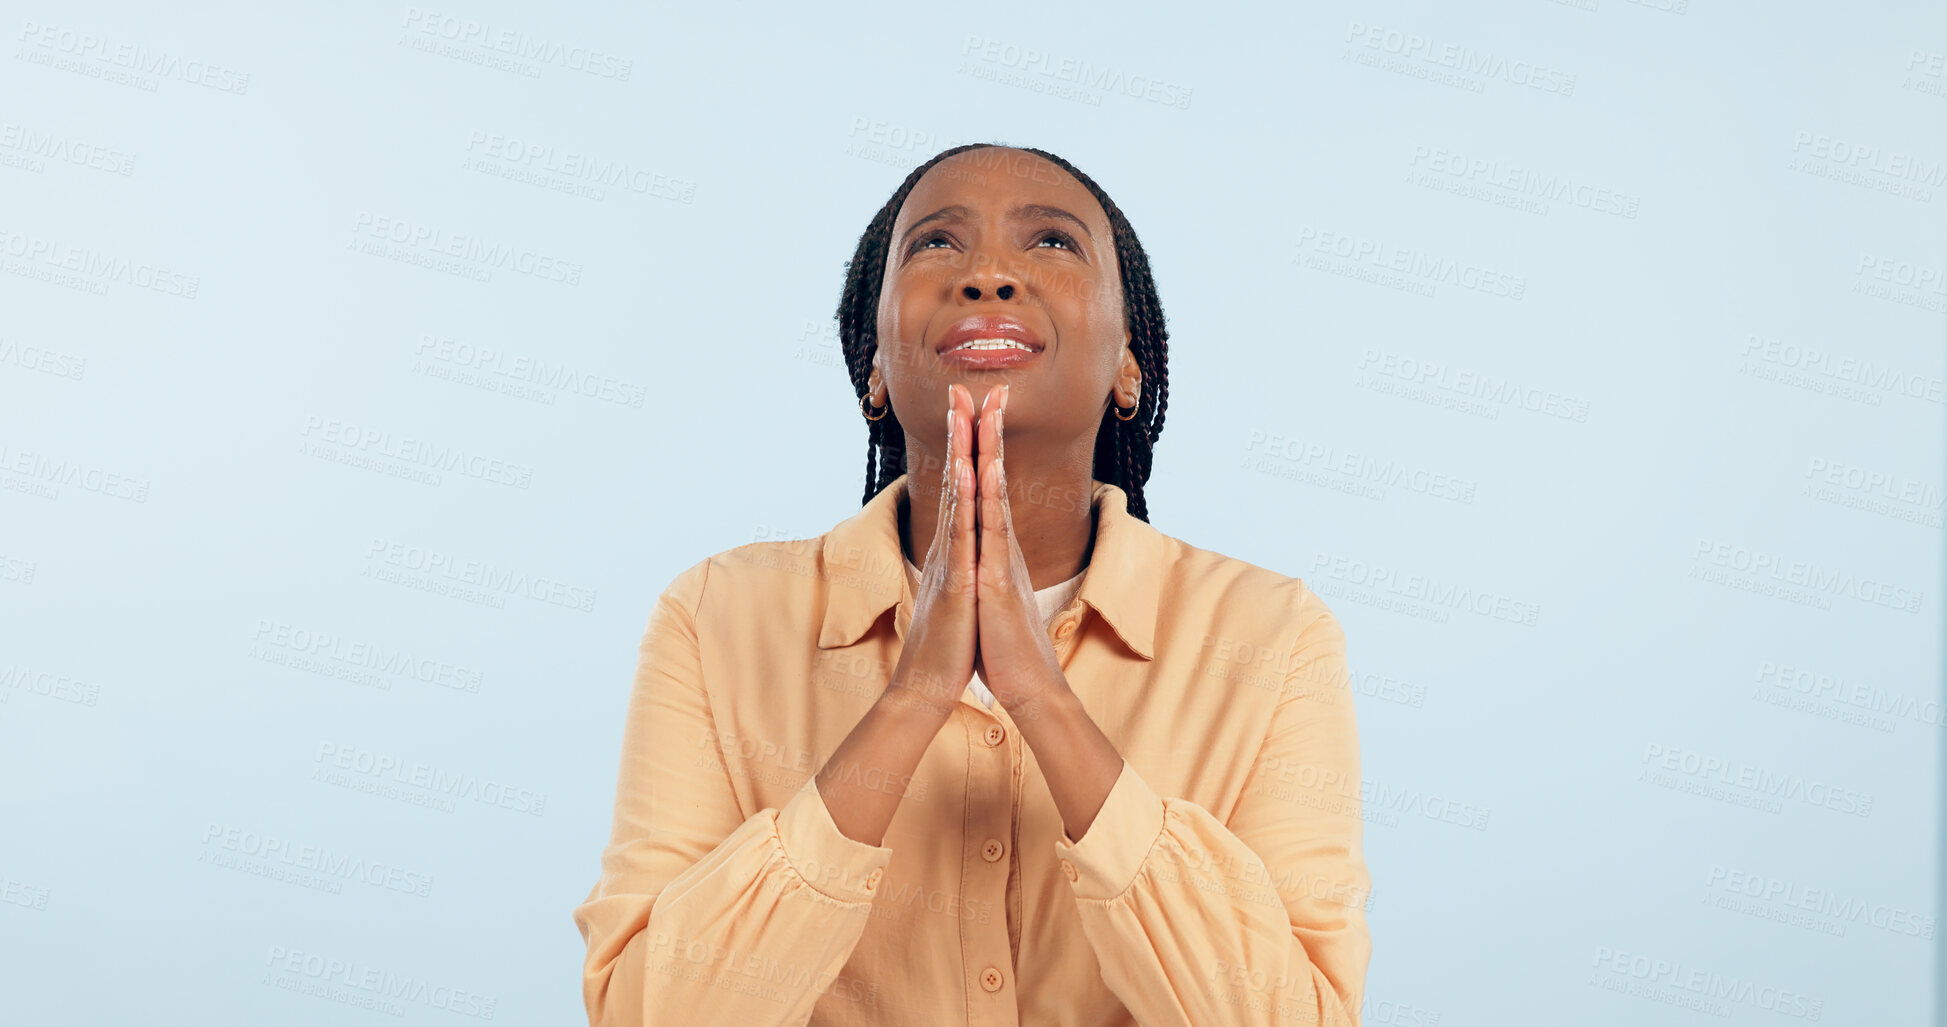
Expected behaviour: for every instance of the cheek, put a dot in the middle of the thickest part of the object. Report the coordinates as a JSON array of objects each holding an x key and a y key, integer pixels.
[
  {"x": 904, "y": 310},
  {"x": 1094, "y": 301},
  {"x": 902, "y": 327},
  {"x": 1096, "y": 325},
  {"x": 1107, "y": 303}
]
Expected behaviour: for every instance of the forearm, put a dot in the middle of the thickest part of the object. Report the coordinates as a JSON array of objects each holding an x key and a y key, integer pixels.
[
  {"x": 1257, "y": 918},
  {"x": 1079, "y": 762},
  {"x": 1192, "y": 926},
  {"x": 669, "y": 957},
  {"x": 694, "y": 887},
  {"x": 885, "y": 745}
]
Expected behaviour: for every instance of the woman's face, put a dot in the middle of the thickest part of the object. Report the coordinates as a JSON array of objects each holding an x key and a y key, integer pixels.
[{"x": 1001, "y": 244}]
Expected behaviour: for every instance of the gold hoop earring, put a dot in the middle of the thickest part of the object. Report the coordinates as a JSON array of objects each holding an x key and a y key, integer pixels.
[
  {"x": 868, "y": 412},
  {"x": 1132, "y": 411}
]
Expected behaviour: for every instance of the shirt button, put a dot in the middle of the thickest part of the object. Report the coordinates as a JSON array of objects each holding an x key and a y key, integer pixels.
[
  {"x": 1065, "y": 629},
  {"x": 991, "y": 979},
  {"x": 995, "y": 734},
  {"x": 993, "y": 850},
  {"x": 872, "y": 879},
  {"x": 1069, "y": 869}
]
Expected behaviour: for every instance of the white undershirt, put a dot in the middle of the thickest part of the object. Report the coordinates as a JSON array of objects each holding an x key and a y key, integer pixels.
[{"x": 1048, "y": 600}]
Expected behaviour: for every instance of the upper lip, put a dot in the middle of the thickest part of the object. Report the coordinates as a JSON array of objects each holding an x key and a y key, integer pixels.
[{"x": 987, "y": 326}]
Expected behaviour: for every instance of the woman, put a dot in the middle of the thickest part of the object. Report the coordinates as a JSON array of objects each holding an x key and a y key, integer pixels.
[{"x": 992, "y": 750}]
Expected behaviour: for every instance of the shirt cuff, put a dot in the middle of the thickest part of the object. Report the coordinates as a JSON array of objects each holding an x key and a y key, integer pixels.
[
  {"x": 839, "y": 867},
  {"x": 1104, "y": 863}
]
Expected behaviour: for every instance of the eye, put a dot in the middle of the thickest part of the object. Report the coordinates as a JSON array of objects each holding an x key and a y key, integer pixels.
[
  {"x": 921, "y": 242},
  {"x": 1067, "y": 241}
]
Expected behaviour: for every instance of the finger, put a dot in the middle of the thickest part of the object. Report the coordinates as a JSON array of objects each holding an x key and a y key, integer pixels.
[
  {"x": 944, "y": 508},
  {"x": 958, "y": 433},
  {"x": 986, "y": 445},
  {"x": 962, "y": 546},
  {"x": 974, "y": 462},
  {"x": 993, "y": 516},
  {"x": 963, "y": 410},
  {"x": 1000, "y": 425},
  {"x": 1000, "y": 471},
  {"x": 1016, "y": 560},
  {"x": 1006, "y": 564}
]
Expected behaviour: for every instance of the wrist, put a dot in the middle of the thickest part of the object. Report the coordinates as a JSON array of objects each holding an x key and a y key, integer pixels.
[
  {"x": 905, "y": 700},
  {"x": 1044, "y": 698}
]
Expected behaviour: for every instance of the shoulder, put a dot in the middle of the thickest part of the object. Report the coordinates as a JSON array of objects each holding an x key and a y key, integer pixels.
[
  {"x": 756, "y": 575},
  {"x": 1249, "y": 593}
]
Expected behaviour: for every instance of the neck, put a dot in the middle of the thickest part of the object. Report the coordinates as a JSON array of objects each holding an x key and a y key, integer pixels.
[{"x": 1050, "y": 500}]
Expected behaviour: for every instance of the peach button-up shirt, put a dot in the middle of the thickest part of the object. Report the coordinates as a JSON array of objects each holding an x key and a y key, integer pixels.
[{"x": 1223, "y": 881}]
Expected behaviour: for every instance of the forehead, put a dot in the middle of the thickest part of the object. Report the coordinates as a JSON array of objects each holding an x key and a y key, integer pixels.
[{"x": 992, "y": 179}]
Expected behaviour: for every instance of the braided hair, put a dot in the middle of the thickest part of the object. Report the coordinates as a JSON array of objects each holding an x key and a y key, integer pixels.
[{"x": 1123, "y": 449}]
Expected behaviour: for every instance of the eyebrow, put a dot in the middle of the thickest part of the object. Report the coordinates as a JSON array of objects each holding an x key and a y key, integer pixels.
[{"x": 1019, "y": 212}]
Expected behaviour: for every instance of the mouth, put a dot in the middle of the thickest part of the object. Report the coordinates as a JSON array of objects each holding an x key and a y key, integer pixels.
[{"x": 987, "y": 342}]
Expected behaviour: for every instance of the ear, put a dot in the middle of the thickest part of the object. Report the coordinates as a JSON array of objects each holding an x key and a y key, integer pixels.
[
  {"x": 1128, "y": 380},
  {"x": 875, "y": 383}
]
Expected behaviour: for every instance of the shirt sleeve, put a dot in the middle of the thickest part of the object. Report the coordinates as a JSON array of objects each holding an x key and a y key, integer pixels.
[
  {"x": 1257, "y": 921},
  {"x": 701, "y": 914}
]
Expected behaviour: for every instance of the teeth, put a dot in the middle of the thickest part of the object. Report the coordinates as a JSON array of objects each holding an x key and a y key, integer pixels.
[{"x": 991, "y": 344}]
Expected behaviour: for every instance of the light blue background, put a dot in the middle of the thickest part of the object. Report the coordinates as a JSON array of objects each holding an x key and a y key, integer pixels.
[{"x": 153, "y": 731}]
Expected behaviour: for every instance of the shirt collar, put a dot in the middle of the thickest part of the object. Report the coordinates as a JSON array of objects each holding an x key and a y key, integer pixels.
[{"x": 865, "y": 568}]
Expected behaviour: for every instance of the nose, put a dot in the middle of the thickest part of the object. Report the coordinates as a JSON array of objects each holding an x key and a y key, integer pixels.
[
  {"x": 973, "y": 292},
  {"x": 986, "y": 276}
]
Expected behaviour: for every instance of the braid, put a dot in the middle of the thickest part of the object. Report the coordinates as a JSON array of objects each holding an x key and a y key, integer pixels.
[{"x": 1124, "y": 450}]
